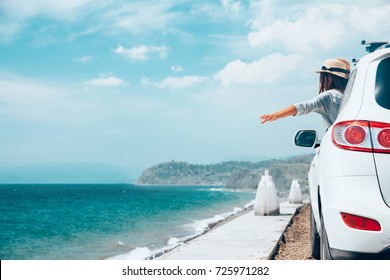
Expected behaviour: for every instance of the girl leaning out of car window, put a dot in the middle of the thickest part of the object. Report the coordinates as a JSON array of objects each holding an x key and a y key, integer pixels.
[{"x": 333, "y": 79}]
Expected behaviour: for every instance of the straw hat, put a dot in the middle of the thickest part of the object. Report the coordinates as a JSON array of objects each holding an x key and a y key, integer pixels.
[{"x": 338, "y": 67}]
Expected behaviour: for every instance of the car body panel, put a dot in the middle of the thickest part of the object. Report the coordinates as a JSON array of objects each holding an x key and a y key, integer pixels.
[
  {"x": 348, "y": 239},
  {"x": 370, "y": 110},
  {"x": 383, "y": 170},
  {"x": 313, "y": 191}
]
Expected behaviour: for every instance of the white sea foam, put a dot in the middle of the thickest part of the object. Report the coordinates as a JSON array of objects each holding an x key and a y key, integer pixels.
[
  {"x": 250, "y": 204},
  {"x": 216, "y": 190},
  {"x": 212, "y": 190},
  {"x": 173, "y": 241},
  {"x": 235, "y": 211},
  {"x": 222, "y": 189},
  {"x": 200, "y": 226},
  {"x": 139, "y": 253}
]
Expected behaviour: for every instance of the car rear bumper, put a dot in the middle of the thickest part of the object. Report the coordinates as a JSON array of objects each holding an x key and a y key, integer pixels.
[
  {"x": 357, "y": 195},
  {"x": 349, "y": 255}
]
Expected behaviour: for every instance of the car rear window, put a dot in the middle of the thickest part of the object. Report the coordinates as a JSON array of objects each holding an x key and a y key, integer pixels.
[{"x": 382, "y": 85}]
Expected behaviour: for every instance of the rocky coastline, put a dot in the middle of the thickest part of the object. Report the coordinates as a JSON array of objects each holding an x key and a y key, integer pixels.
[{"x": 233, "y": 174}]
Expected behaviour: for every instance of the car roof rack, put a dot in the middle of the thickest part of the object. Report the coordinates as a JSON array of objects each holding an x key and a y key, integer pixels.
[
  {"x": 355, "y": 61},
  {"x": 372, "y": 46}
]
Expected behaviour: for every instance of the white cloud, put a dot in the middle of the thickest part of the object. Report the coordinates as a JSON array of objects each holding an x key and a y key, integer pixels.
[
  {"x": 265, "y": 70},
  {"x": 15, "y": 15},
  {"x": 139, "y": 17},
  {"x": 263, "y": 12},
  {"x": 314, "y": 29},
  {"x": 142, "y": 52},
  {"x": 8, "y": 30},
  {"x": 109, "y": 81},
  {"x": 317, "y": 27},
  {"x": 111, "y": 17},
  {"x": 176, "y": 82},
  {"x": 177, "y": 69},
  {"x": 31, "y": 8},
  {"x": 83, "y": 59},
  {"x": 217, "y": 12},
  {"x": 145, "y": 81},
  {"x": 234, "y": 6},
  {"x": 370, "y": 20}
]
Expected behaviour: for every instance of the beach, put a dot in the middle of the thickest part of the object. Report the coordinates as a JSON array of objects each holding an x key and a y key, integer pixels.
[{"x": 244, "y": 237}]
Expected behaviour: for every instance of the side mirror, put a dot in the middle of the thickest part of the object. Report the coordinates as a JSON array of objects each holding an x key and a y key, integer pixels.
[{"x": 306, "y": 138}]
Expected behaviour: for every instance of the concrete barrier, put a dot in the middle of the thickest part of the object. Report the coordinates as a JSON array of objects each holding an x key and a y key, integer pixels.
[
  {"x": 295, "y": 195},
  {"x": 266, "y": 201}
]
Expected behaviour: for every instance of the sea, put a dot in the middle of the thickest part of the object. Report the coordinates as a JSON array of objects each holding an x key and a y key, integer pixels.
[{"x": 108, "y": 221}]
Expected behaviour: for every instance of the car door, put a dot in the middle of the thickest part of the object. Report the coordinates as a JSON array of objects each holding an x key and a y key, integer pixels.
[{"x": 313, "y": 177}]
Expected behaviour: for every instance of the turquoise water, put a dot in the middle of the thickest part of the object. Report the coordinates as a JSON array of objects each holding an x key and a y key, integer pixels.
[{"x": 106, "y": 221}]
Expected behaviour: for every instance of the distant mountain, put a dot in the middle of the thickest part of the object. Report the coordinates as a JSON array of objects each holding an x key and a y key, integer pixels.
[
  {"x": 64, "y": 173},
  {"x": 232, "y": 174}
]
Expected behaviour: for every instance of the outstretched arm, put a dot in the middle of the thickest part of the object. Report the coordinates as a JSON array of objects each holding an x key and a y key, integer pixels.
[{"x": 289, "y": 111}]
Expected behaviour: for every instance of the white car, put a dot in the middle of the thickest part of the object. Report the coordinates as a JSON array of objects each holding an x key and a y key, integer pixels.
[{"x": 349, "y": 176}]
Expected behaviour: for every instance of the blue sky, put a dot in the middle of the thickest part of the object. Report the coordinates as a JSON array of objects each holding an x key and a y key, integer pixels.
[{"x": 135, "y": 83}]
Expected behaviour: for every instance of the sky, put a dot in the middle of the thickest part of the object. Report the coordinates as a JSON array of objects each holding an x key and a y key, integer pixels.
[{"x": 136, "y": 83}]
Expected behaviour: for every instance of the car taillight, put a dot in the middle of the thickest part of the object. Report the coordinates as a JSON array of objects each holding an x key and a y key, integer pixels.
[
  {"x": 380, "y": 133},
  {"x": 365, "y": 136},
  {"x": 355, "y": 135},
  {"x": 352, "y": 135},
  {"x": 361, "y": 223},
  {"x": 384, "y": 138}
]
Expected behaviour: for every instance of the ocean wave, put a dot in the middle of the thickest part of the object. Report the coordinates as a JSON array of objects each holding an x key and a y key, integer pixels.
[
  {"x": 139, "y": 253},
  {"x": 144, "y": 253},
  {"x": 212, "y": 190},
  {"x": 249, "y": 204},
  {"x": 200, "y": 226},
  {"x": 174, "y": 241},
  {"x": 222, "y": 189}
]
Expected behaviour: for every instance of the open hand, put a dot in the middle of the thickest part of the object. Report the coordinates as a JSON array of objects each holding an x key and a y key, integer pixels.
[{"x": 268, "y": 118}]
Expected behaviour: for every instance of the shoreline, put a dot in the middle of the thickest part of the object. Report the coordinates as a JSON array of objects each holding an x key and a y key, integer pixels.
[
  {"x": 212, "y": 226},
  {"x": 241, "y": 236},
  {"x": 144, "y": 253}
]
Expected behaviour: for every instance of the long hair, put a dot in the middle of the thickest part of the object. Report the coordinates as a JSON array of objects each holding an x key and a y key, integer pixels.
[{"x": 329, "y": 81}]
